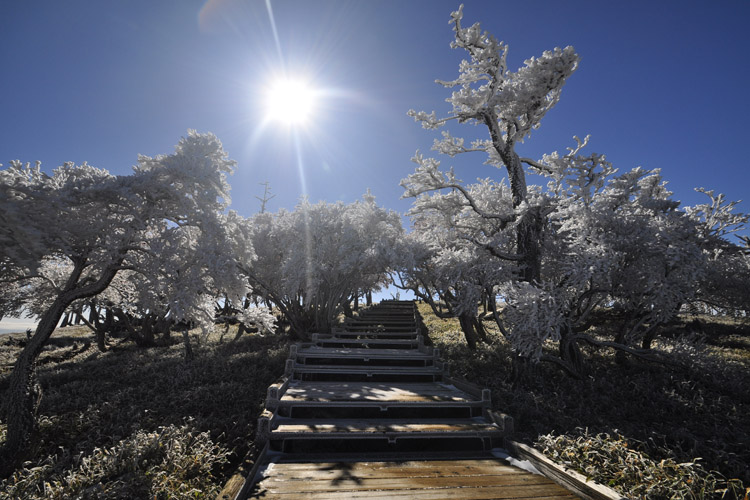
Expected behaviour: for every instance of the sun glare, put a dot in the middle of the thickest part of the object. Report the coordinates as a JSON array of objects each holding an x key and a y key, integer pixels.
[{"x": 291, "y": 102}]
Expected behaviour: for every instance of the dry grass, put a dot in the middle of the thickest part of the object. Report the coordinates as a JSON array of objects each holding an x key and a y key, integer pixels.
[
  {"x": 141, "y": 422},
  {"x": 623, "y": 464},
  {"x": 666, "y": 414},
  {"x": 144, "y": 424}
]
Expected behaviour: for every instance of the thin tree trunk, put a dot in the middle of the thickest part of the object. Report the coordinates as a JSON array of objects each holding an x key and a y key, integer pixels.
[
  {"x": 346, "y": 305},
  {"x": 65, "y": 320},
  {"x": 164, "y": 325},
  {"x": 125, "y": 320},
  {"x": 189, "y": 355},
  {"x": 479, "y": 328},
  {"x": 146, "y": 338},
  {"x": 570, "y": 352},
  {"x": 528, "y": 240},
  {"x": 240, "y": 331},
  {"x": 100, "y": 329},
  {"x": 467, "y": 326},
  {"x": 93, "y": 314},
  {"x": 78, "y": 315}
]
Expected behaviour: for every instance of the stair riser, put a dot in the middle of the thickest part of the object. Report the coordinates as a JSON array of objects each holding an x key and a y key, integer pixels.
[
  {"x": 357, "y": 377},
  {"x": 393, "y": 412},
  {"x": 381, "y": 445}
]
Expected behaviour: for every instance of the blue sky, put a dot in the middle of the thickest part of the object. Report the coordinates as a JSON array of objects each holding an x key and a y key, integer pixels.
[{"x": 662, "y": 84}]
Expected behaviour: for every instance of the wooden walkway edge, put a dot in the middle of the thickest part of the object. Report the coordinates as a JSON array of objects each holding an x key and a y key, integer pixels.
[{"x": 370, "y": 411}]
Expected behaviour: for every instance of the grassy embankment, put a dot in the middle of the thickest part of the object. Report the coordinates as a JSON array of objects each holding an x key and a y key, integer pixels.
[
  {"x": 647, "y": 430},
  {"x": 142, "y": 423}
]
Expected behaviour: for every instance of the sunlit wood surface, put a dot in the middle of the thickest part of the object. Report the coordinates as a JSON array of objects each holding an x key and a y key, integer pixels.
[
  {"x": 428, "y": 479},
  {"x": 379, "y": 392}
]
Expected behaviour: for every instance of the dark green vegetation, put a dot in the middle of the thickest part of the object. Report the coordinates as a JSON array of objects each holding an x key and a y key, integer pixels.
[
  {"x": 142, "y": 423},
  {"x": 630, "y": 425}
]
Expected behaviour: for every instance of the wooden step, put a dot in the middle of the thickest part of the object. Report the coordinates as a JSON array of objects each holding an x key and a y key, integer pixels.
[
  {"x": 465, "y": 479},
  {"x": 378, "y": 328},
  {"x": 297, "y": 368},
  {"x": 381, "y": 321},
  {"x": 377, "y": 335},
  {"x": 424, "y": 354},
  {"x": 366, "y": 343},
  {"x": 386, "y": 315},
  {"x": 382, "y": 395},
  {"x": 283, "y": 427}
]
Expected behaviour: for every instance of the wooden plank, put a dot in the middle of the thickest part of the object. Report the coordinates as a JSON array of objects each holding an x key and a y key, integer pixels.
[
  {"x": 391, "y": 318},
  {"x": 382, "y": 321},
  {"x": 466, "y": 386},
  {"x": 384, "y": 426},
  {"x": 289, "y": 462},
  {"x": 239, "y": 485},
  {"x": 372, "y": 480},
  {"x": 426, "y": 370},
  {"x": 379, "y": 326},
  {"x": 339, "y": 352},
  {"x": 335, "y": 470},
  {"x": 349, "y": 482},
  {"x": 373, "y": 392},
  {"x": 412, "y": 333},
  {"x": 405, "y": 320},
  {"x": 541, "y": 491},
  {"x": 368, "y": 342},
  {"x": 487, "y": 493},
  {"x": 468, "y": 479},
  {"x": 588, "y": 490}
]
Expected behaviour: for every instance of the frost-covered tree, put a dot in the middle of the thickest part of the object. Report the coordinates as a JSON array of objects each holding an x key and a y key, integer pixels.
[
  {"x": 67, "y": 236},
  {"x": 614, "y": 241},
  {"x": 313, "y": 259},
  {"x": 592, "y": 239},
  {"x": 618, "y": 241},
  {"x": 510, "y": 105},
  {"x": 725, "y": 287},
  {"x": 449, "y": 260}
]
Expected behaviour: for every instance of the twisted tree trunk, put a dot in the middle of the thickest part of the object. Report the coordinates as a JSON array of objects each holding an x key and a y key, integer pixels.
[{"x": 24, "y": 394}]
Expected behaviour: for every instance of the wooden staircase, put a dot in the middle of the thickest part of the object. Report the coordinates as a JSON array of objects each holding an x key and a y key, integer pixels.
[
  {"x": 373, "y": 385},
  {"x": 370, "y": 411}
]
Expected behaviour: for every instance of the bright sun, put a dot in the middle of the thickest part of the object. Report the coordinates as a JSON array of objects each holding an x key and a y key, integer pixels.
[{"x": 290, "y": 101}]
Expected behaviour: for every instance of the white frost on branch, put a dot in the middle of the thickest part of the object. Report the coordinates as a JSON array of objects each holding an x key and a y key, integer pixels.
[{"x": 487, "y": 91}]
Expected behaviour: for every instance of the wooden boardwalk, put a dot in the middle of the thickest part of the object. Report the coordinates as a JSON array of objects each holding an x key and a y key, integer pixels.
[
  {"x": 418, "y": 479},
  {"x": 370, "y": 412}
]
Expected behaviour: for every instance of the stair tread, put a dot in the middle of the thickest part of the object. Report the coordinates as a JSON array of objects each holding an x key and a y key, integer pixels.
[
  {"x": 378, "y": 334},
  {"x": 429, "y": 370},
  {"x": 370, "y": 341},
  {"x": 335, "y": 352},
  {"x": 367, "y": 392},
  {"x": 381, "y": 426}
]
